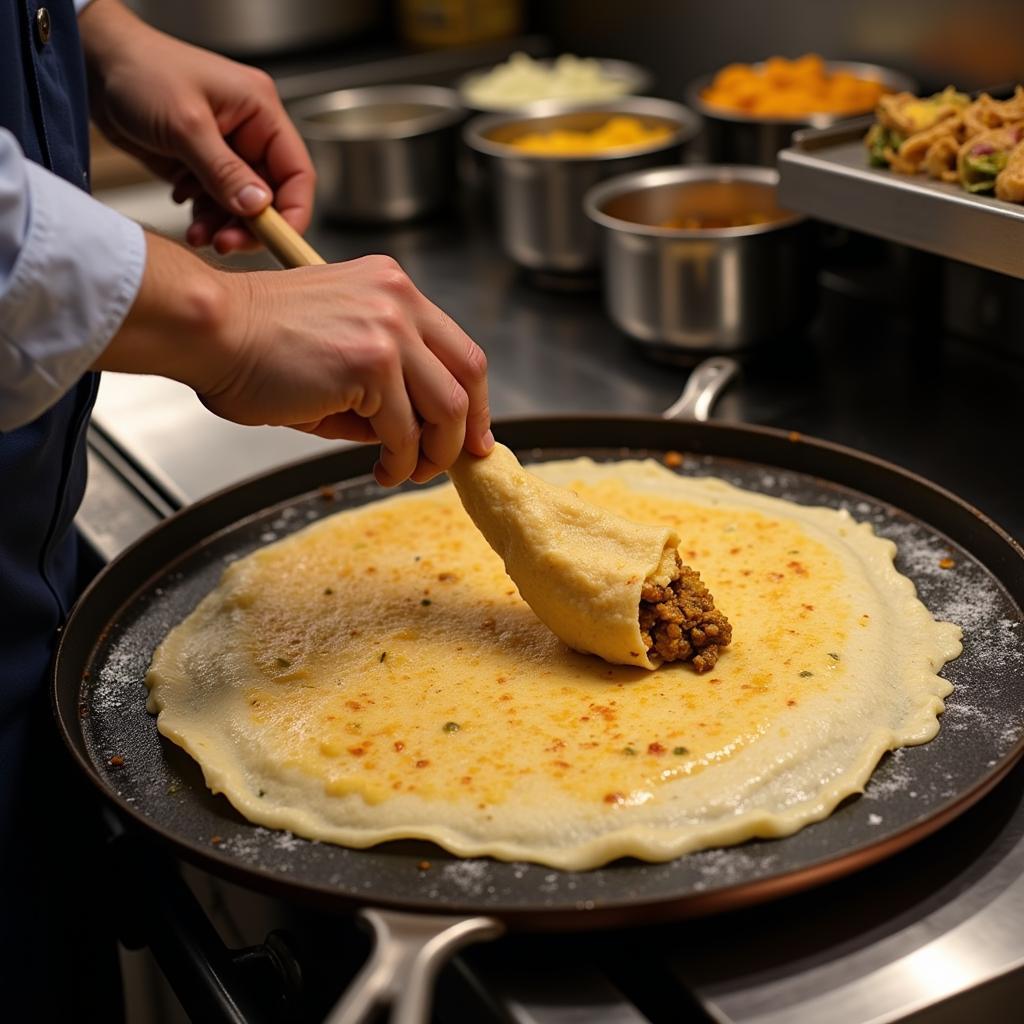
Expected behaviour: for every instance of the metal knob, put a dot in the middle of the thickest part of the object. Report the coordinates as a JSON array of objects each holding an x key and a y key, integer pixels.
[{"x": 44, "y": 26}]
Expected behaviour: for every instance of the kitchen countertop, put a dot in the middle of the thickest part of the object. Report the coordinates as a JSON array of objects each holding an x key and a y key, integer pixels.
[
  {"x": 863, "y": 376},
  {"x": 860, "y": 377}
]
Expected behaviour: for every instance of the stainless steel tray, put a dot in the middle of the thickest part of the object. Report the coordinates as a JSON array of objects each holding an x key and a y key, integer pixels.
[{"x": 825, "y": 173}]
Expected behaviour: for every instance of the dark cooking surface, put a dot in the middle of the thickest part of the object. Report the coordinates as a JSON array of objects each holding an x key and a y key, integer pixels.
[{"x": 980, "y": 729}]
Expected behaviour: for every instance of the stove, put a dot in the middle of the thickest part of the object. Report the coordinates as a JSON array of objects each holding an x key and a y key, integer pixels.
[{"x": 933, "y": 935}]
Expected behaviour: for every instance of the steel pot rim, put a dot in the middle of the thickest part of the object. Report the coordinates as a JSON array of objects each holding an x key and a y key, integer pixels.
[
  {"x": 687, "y": 127},
  {"x": 601, "y": 193},
  {"x": 443, "y": 109}
]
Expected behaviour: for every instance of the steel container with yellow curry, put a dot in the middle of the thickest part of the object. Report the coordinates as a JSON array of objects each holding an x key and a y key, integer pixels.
[{"x": 542, "y": 163}]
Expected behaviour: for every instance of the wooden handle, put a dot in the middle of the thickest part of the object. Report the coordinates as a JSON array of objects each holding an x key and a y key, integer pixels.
[{"x": 288, "y": 246}]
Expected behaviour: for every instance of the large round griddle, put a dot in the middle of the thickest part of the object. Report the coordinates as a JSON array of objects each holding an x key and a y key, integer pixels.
[{"x": 108, "y": 642}]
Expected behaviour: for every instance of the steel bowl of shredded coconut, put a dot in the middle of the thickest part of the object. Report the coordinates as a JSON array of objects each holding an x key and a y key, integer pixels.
[{"x": 522, "y": 80}]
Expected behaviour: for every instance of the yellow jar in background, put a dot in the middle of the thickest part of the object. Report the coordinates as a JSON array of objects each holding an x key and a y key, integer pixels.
[{"x": 440, "y": 23}]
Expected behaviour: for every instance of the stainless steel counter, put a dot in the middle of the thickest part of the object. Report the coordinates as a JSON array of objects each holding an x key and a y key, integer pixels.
[{"x": 826, "y": 174}]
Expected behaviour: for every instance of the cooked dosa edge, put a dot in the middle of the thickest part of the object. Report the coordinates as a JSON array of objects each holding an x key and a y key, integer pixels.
[
  {"x": 590, "y": 575},
  {"x": 376, "y": 676}
]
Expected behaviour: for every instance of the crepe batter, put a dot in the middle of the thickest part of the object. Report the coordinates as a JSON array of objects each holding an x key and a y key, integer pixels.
[{"x": 377, "y": 676}]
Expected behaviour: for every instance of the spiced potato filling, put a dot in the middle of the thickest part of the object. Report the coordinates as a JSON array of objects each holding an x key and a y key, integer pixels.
[{"x": 678, "y": 617}]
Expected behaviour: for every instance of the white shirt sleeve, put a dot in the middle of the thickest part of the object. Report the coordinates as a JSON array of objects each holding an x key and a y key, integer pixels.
[
  {"x": 80, "y": 5},
  {"x": 70, "y": 269}
]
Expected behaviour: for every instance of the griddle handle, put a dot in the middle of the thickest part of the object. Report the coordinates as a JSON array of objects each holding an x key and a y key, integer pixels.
[
  {"x": 706, "y": 382},
  {"x": 408, "y": 952}
]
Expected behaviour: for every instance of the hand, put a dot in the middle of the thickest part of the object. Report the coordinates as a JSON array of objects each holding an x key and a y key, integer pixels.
[
  {"x": 354, "y": 351},
  {"x": 213, "y": 128},
  {"x": 349, "y": 350}
]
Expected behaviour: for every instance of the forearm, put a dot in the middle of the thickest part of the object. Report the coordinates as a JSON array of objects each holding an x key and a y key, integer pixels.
[
  {"x": 69, "y": 270},
  {"x": 105, "y": 26},
  {"x": 213, "y": 128},
  {"x": 180, "y": 323}
]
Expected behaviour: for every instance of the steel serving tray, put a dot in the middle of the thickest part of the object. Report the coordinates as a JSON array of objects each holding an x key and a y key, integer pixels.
[{"x": 825, "y": 173}]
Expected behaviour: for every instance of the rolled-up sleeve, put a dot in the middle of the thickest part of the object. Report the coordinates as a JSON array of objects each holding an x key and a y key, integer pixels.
[{"x": 70, "y": 269}]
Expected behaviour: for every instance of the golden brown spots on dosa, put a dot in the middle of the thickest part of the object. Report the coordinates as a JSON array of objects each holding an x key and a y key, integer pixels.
[{"x": 355, "y": 751}]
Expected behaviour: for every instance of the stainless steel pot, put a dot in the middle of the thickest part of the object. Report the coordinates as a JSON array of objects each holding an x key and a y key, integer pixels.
[
  {"x": 384, "y": 153},
  {"x": 259, "y": 27},
  {"x": 734, "y": 138},
  {"x": 687, "y": 292},
  {"x": 540, "y": 198}
]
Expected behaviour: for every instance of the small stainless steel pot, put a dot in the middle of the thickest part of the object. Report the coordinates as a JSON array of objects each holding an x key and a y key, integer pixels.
[
  {"x": 540, "y": 198},
  {"x": 688, "y": 292},
  {"x": 247, "y": 28},
  {"x": 385, "y": 153},
  {"x": 734, "y": 138}
]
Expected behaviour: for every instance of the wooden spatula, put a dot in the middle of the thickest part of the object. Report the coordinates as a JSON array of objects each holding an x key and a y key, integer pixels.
[{"x": 289, "y": 248}]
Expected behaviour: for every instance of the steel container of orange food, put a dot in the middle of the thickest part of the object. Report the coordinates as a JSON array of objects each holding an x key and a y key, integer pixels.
[{"x": 738, "y": 138}]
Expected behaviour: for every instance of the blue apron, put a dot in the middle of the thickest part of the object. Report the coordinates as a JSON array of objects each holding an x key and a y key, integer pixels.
[
  {"x": 42, "y": 464},
  {"x": 42, "y": 477}
]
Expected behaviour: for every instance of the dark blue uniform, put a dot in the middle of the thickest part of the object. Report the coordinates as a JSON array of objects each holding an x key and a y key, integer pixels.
[{"x": 54, "y": 959}]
